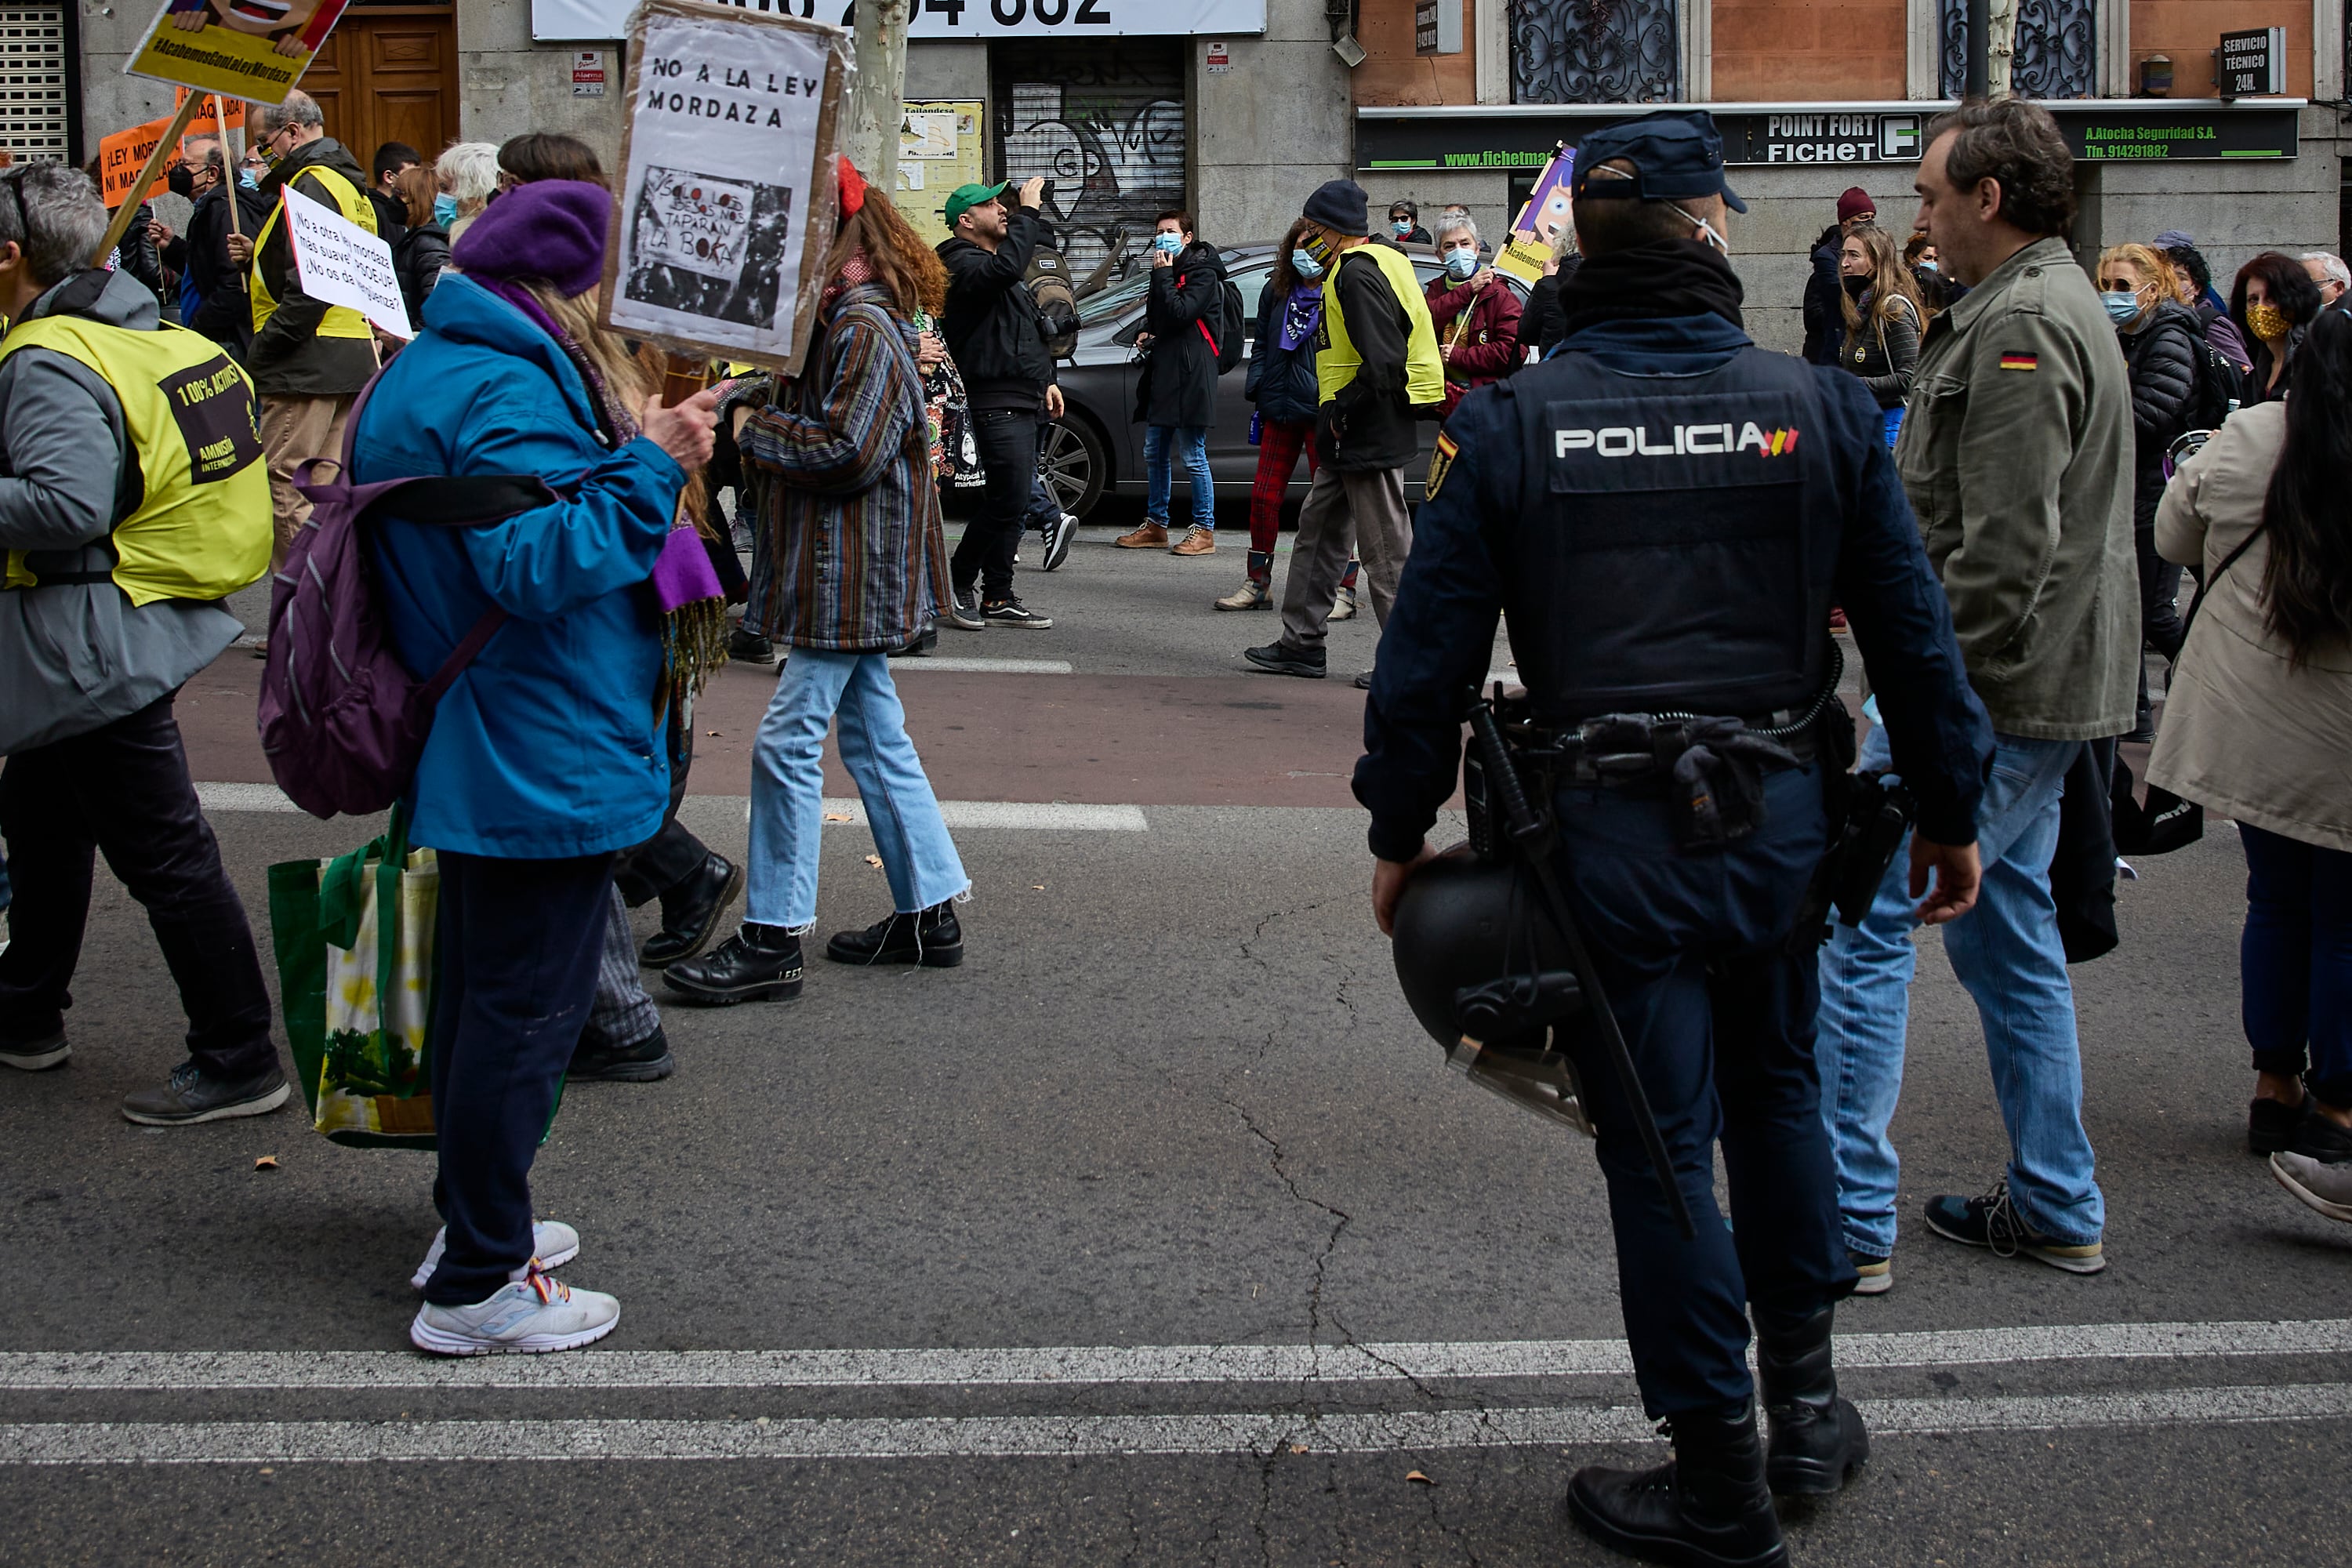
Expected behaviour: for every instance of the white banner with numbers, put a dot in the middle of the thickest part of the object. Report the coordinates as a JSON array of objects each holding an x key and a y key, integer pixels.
[{"x": 598, "y": 19}]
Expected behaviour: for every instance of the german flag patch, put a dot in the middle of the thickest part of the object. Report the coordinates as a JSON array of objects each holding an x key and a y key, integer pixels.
[
  {"x": 1441, "y": 463},
  {"x": 2013, "y": 361}
]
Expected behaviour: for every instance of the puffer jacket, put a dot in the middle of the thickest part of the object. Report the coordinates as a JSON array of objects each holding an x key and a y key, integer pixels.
[
  {"x": 287, "y": 357},
  {"x": 1184, "y": 309},
  {"x": 547, "y": 747},
  {"x": 420, "y": 255},
  {"x": 1883, "y": 351},
  {"x": 1281, "y": 381},
  {"x": 1486, "y": 345},
  {"x": 2162, "y": 355}
]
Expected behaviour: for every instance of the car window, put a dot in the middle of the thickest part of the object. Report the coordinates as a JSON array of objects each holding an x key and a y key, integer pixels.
[{"x": 1250, "y": 281}]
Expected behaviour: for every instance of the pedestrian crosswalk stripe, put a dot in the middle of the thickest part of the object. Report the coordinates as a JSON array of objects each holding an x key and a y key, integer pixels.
[
  {"x": 937, "y": 665},
  {"x": 970, "y": 814}
]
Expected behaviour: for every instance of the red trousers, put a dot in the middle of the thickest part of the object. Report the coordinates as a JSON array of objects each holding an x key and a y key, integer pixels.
[{"x": 1279, "y": 446}]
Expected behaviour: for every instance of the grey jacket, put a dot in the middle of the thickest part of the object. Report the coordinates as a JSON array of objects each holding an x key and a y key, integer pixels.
[
  {"x": 2017, "y": 453},
  {"x": 75, "y": 656}
]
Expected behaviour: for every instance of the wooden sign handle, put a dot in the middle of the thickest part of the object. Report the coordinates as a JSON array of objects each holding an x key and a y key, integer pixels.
[
  {"x": 228, "y": 170},
  {"x": 162, "y": 154},
  {"x": 682, "y": 377}
]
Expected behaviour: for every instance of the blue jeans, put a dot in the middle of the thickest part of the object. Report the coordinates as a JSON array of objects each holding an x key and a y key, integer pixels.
[
  {"x": 2006, "y": 953},
  {"x": 2294, "y": 962},
  {"x": 1893, "y": 419},
  {"x": 787, "y": 789},
  {"x": 1192, "y": 442}
]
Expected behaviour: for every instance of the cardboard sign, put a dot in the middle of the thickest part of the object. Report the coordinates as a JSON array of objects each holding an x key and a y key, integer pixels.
[
  {"x": 343, "y": 264},
  {"x": 1536, "y": 233},
  {"x": 253, "y": 50},
  {"x": 726, "y": 203},
  {"x": 122, "y": 155}
]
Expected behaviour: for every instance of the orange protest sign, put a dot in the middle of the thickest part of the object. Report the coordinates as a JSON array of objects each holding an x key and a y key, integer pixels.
[
  {"x": 122, "y": 155},
  {"x": 204, "y": 124}
]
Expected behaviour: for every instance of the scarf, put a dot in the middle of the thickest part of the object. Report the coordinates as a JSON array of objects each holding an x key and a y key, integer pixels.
[
  {"x": 1301, "y": 314},
  {"x": 1673, "y": 278},
  {"x": 685, "y": 586}
]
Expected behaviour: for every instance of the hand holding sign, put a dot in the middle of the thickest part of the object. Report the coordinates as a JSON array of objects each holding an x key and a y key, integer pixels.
[{"x": 343, "y": 264}]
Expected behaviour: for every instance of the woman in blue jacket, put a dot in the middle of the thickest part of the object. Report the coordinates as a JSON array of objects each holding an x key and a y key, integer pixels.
[{"x": 547, "y": 754}]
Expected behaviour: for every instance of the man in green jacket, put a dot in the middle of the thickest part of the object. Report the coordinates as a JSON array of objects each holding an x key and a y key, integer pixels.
[{"x": 2017, "y": 454}]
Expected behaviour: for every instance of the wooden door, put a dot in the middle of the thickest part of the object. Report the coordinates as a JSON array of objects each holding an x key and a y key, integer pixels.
[{"x": 389, "y": 73}]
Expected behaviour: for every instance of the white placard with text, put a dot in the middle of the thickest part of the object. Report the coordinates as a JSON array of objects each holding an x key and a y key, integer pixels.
[{"x": 343, "y": 264}]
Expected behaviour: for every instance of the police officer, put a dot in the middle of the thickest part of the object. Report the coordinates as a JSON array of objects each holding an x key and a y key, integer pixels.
[{"x": 1668, "y": 512}]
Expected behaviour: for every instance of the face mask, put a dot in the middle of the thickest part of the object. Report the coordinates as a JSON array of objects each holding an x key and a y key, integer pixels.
[
  {"x": 1306, "y": 266},
  {"x": 1707, "y": 231},
  {"x": 1319, "y": 247},
  {"x": 2268, "y": 321},
  {"x": 249, "y": 179},
  {"x": 1401, "y": 227},
  {"x": 1857, "y": 287},
  {"x": 2123, "y": 307},
  {"x": 444, "y": 209},
  {"x": 182, "y": 180},
  {"x": 1168, "y": 243},
  {"x": 1928, "y": 267},
  {"x": 1461, "y": 264}
]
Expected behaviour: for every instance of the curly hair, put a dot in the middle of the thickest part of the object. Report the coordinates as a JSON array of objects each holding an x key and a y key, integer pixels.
[
  {"x": 911, "y": 270},
  {"x": 2290, "y": 287},
  {"x": 2020, "y": 148}
]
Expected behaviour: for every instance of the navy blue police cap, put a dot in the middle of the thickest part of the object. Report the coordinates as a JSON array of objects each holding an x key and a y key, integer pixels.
[{"x": 1677, "y": 155}]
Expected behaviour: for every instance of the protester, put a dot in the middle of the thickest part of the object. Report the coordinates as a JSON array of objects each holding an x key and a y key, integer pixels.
[
  {"x": 212, "y": 270},
  {"x": 2257, "y": 727},
  {"x": 992, "y": 331},
  {"x": 1883, "y": 320},
  {"x": 2328, "y": 274},
  {"x": 544, "y": 756},
  {"x": 547, "y": 155},
  {"x": 1377, "y": 363},
  {"x": 391, "y": 160},
  {"x": 1824, "y": 317},
  {"x": 1281, "y": 382},
  {"x": 1176, "y": 397},
  {"x": 2159, "y": 339},
  {"x": 1474, "y": 313},
  {"x": 135, "y": 252},
  {"x": 2192, "y": 286},
  {"x": 861, "y": 557},
  {"x": 1404, "y": 223},
  {"x": 309, "y": 358},
  {"x": 119, "y": 553},
  {"x": 2273, "y": 303},
  {"x": 1935, "y": 293},
  {"x": 422, "y": 251},
  {"x": 2023, "y": 454},
  {"x": 466, "y": 177},
  {"x": 1542, "y": 324}
]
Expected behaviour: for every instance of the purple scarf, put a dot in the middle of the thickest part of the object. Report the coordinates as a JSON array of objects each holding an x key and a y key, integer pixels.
[{"x": 1301, "y": 314}]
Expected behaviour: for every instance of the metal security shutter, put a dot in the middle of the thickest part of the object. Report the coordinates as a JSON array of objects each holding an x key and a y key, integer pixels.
[
  {"x": 1104, "y": 124},
  {"x": 33, "y": 103}
]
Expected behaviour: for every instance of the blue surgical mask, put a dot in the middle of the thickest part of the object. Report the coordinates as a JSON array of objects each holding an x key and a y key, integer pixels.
[
  {"x": 1306, "y": 266},
  {"x": 2123, "y": 309},
  {"x": 249, "y": 179},
  {"x": 1461, "y": 264},
  {"x": 1169, "y": 244},
  {"x": 1402, "y": 226},
  {"x": 444, "y": 209},
  {"x": 1930, "y": 267}
]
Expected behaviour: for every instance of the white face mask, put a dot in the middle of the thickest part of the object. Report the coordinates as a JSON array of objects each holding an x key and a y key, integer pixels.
[{"x": 1708, "y": 232}]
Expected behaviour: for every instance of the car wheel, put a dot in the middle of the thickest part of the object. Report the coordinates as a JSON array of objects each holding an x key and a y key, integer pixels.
[{"x": 1075, "y": 464}]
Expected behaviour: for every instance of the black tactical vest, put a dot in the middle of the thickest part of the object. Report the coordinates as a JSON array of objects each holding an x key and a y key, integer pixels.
[{"x": 1675, "y": 541}]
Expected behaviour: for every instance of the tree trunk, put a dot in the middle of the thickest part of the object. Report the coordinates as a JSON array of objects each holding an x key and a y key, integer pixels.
[
  {"x": 2001, "y": 54},
  {"x": 877, "y": 92}
]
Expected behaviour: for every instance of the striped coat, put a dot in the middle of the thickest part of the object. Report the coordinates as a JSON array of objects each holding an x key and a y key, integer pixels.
[{"x": 859, "y": 548}]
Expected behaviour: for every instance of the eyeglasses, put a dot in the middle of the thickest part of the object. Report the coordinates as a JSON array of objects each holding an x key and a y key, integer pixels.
[{"x": 2118, "y": 286}]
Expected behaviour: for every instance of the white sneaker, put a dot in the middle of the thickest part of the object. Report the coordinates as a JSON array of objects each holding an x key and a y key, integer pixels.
[
  {"x": 553, "y": 1242},
  {"x": 532, "y": 1316}
]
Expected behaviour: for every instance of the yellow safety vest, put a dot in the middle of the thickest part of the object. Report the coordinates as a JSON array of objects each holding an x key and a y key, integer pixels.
[
  {"x": 202, "y": 528},
  {"x": 1336, "y": 361},
  {"x": 341, "y": 320}
]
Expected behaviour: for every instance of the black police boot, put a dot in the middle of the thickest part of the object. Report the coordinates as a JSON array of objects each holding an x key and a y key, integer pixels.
[
  {"x": 754, "y": 964},
  {"x": 932, "y": 938},
  {"x": 1707, "y": 1505},
  {"x": 1817, "y": 1437},
  {"x": 691, "y": 912}
]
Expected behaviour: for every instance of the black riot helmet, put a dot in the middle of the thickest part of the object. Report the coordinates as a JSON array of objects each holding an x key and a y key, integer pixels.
[{"x": 1487, "y": 976}]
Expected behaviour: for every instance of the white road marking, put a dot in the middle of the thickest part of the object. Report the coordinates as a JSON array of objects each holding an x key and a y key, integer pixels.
[
  {"x": 997, "y": 1437},
  {"x": 940, "y": 665},
  {"x": 967, "y": 813},
  {"x": 243, "y": 798},
  {"x": 217, "y": 1371}
]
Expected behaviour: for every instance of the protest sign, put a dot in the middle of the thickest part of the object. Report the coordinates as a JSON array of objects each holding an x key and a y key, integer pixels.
[
  {"x": 343, "y": 264},
  {"x": 254, "y": 50},
  {"x": 727, "y": 182},
  {"x": 122, "y": 155},
  {"x": 1538, "y": 233},
  {"x": 207, "y": 121}
]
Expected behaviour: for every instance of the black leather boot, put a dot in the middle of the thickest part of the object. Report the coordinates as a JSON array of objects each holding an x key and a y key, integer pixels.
[
  {"x": 1817, "y": 1438},
  {"x": 932, "y": 938},
  {"x": 1707, "y": 1506},
  {"x": 754, "y": 964},
  {"x": 691, "y": 912}
]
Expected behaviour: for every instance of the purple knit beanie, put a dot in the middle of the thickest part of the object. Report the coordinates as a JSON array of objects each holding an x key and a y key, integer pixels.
[{"x": 554, "y": 229}]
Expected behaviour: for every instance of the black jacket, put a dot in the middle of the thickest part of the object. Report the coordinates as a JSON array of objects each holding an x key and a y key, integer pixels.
[
  {"x": 418, "y": 256},
  {"x": 2163, "y": 358},
  {"x": 138, "y": 253},
  {"x": 1178, "y": 385},
  {"x": 1542, "y": 324},
  {"x": 1824, "y": 323},
  {"x": 289, "y": 359},
  {"x": 225, "y": 314},
  {"x": 1282, "y": 384},
  {"x": 1367, "y": 424},
  {"x": 1883, "y": 351},
  {"x": 991, "y": 323},
  {"x": 2258, "y": 387}
]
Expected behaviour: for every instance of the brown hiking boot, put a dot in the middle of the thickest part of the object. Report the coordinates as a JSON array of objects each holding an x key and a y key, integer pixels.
[
  {"x": 1151, "y": 536},
  {"x": 1200, "y": 541}
]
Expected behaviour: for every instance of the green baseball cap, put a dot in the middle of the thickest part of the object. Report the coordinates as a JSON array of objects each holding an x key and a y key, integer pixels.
[{"x": 966, "y": 198}]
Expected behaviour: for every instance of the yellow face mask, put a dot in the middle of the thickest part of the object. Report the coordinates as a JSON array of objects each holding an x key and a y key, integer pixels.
[{"x": 2268, "y": 321}]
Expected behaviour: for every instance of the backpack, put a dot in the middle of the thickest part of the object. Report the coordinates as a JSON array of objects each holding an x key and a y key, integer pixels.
[
  {"x": 341, "y": 722},
  {"x": 1048, "y": 282},
  {"x": 2218, "y": 381},
  {"x": 1228, "y": 334}
]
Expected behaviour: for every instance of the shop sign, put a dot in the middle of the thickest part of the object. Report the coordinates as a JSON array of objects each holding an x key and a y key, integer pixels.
[
  {"x": 2253, "y": 62},
  {"x": 1437, "y": 27},
  {"x": 1834, "y": 136},
  {"x": 1083, "y": 19}
]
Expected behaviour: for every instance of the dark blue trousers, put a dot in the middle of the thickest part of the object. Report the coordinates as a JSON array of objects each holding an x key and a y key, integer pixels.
[
  {"x": 2295, "y": 961},
  {"x": 1720, "y": 1022},
  {"x": 519, "y": 941}
]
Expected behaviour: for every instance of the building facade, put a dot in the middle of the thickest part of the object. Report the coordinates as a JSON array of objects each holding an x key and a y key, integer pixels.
[{"x": 1236, "y": 109}]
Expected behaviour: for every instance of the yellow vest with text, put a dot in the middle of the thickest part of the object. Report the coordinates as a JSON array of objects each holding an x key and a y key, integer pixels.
[
  {"x": 341, "y": 320},
  {"x": 1336, "y": 364},
  {"x": 202, "y": 528}
]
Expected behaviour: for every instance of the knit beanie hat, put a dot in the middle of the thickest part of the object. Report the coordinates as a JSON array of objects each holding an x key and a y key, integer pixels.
[
  {"x": 2174, "y": 240},
  {"x": 554, "y": 229},
  {"x": 1341, "y": 207},
  {"x": 1854, "y": 202}
]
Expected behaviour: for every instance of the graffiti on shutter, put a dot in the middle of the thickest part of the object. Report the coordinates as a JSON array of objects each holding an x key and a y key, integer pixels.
[{"x": 1104, "y": 125}]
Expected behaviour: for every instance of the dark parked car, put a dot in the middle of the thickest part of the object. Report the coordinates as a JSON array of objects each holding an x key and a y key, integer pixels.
[{"x": 1098, "y": 447}]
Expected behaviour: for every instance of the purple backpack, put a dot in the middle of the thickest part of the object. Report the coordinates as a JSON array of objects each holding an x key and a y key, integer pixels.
[{"x": 341, "y": 722}]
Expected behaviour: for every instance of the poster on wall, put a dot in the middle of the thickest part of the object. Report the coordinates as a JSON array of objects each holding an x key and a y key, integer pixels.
[
  {"x": 727, "y": 197},
  {"x": 939, "y": 149},
  {"x": 1540, "y": 231},
  {"x": 253, "y": 50}
]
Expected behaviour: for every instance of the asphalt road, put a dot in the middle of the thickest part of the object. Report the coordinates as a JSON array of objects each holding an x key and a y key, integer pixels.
[{"x": 1157, "y": 1233}]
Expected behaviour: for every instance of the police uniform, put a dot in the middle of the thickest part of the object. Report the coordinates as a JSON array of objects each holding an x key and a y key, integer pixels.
[{"x": 1667, "y": 514}]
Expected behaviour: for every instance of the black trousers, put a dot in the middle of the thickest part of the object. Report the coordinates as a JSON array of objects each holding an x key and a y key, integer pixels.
[
  {"x": 649, "y": 870},
  {"x": 2160, "y": 613},
  {"x": 123, "y": 789},
  {"x": 1007, "y": 438},
  {"x": 519, "y": 943}
]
